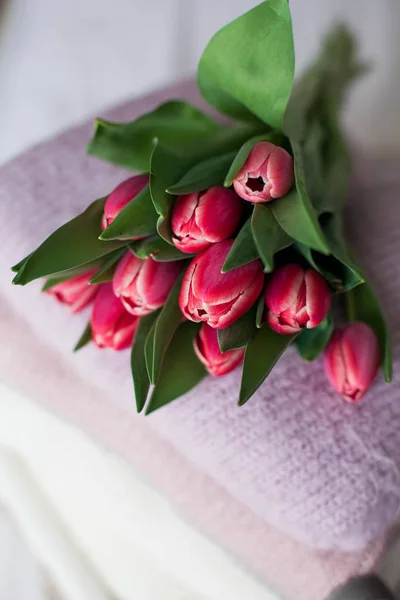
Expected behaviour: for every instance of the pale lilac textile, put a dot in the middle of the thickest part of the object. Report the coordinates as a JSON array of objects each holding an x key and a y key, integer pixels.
[{"x": 323, "y": 472}]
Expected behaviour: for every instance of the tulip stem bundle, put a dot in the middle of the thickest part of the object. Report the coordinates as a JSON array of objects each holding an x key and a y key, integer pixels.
[{"x": 227, "y": 248}]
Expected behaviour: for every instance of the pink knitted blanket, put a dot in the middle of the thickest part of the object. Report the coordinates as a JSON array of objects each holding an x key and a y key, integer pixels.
[{"x": 325, "y": 473}]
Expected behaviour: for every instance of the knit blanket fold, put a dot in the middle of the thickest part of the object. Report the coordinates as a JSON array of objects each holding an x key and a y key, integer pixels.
[{"x": 323, "y": 472}]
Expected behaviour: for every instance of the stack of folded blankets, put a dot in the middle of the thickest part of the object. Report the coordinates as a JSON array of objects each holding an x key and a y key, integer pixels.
[{"x": 301, "y": 487}]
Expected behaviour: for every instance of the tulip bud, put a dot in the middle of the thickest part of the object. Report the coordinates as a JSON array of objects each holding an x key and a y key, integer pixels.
[
  {"x": 217, "y": 298},
  {"x": 112, "y": 326},
  {"x": 351, "y": 360},
  {"x": 76, "y": 292},
  {"x": 144, "y": 285},
  {"x": 121, "y": 196},
  {"x": 296, "y": 298},
  {"x": 267, "y": 174},
  {"x": 208, "y": 352},
  {"x": 204, "y": 218}
]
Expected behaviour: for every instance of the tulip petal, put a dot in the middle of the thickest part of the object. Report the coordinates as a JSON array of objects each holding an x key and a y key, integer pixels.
[
  {"x": 283, "y": 288},
  {"x": 318, "y": 298}
]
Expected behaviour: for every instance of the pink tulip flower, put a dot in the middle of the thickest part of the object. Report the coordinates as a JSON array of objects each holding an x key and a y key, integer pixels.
[
  {"x": 144, "y": 285},
  {"x": 121, "y": 196},
  {"x": 267, "y": 174},
  {"x": 112, "y": 327},
  {"x": 76, "y": 292},
  {"x": 204, "y": 218},
  {"x": 217, "y": 298},
  {"x": 208, "y": 352},
  {"x": 351, "y": 360},
  {"x": 296, "y": 298}
]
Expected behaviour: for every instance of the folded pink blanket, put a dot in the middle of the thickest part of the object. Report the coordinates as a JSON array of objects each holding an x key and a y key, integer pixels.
[
  {"x": 324, "y": 472},
  {"x": 295, "y": 571}
]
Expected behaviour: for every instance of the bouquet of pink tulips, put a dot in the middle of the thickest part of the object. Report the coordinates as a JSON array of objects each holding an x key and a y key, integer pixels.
[{"x": 227, "y": 248}]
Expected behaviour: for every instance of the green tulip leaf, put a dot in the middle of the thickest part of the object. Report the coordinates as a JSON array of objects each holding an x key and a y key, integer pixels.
[
  {"x": 241, "y": 157},
  {"x": 260, "y": 310},
  {"x": 311, "y": 342},
  {"x": 85, "y": 338},
  {"x": 137, "y": 219},
  {"x": 363, "y": 305},
  {"x": 240, "y": 333},
  {"x": 312, "y": 121},
  {"x": 107, "y": 270},
  {"x": 243, "y": 249},
  {"x": 164, "y": 329},
  {"x": 338, "y": 268},
  {"x": 269, "y": 237},
  {"x": 149, "y": 350},
  {"x": 130, "y": 145},
  {"x": 21, "y": 263},
  {"x": 75, "y": 244},
  {"x": 166, "y": 168},
  {"x": 141, "y": 381},
  {"x": 206, "y": 174},
  {"x": 181, "y": 370},
  {"x": 247, "y": 68},
  {"x": 262, "y": 353},
  {"x": 296, "y": 215},
  {"x": 159, "y": 250}
]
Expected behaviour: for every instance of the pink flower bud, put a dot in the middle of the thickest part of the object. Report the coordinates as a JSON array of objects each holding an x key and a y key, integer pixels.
[
  {"x": 296, "y": 298},
  {"x": 217, "y": 298},
  {"x": 208, "y": 352},
  {"x": 351, "y": 360},
  {"x": 112, "y": 326},
  {"x": 267, "y": 174},
  {"x": 203, "y": 218},
  {"x": 144, "y": 285},
  {"x": 121, "y": 196},
  {"x": 76, "y": 292}
]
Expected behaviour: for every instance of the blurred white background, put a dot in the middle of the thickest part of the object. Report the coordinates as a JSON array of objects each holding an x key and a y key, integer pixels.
[{"x": 64, "y": 60}]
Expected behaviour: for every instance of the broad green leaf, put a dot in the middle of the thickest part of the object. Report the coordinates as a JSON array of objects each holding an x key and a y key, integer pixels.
[
  {"x": 74, "y": 244},
  {"x": 332, "y": 228},
  {"x": 262, "y": 353},
  {"x": 107, "y": 270},
  {"x": 364, "y": 306},
  {"x": 141, "y": 381},
  {"x": 85, "y": 338},
  {"x": 311, "y": 342},
  {"x": 131, "y": 144},
  {"x": 181, "y": 370},
  {"x": 247, "y": 68},
  {"x": 165, "y": 327},
  {"x": 245, "y": 150},
  {"x": 243, "y": 250},
  {"x": 137, "y": 219},
  {"x": 156, "y": 247},
  {"x": 268, "y": 235},
  {"x": 240, "y": 333},
  {"x": 206, "y": 174},
  {"x": 296, "y": 215}
]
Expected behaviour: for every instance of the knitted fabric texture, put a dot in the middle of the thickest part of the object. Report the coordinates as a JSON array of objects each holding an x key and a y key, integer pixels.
[{"x": 320, "y": 470}]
